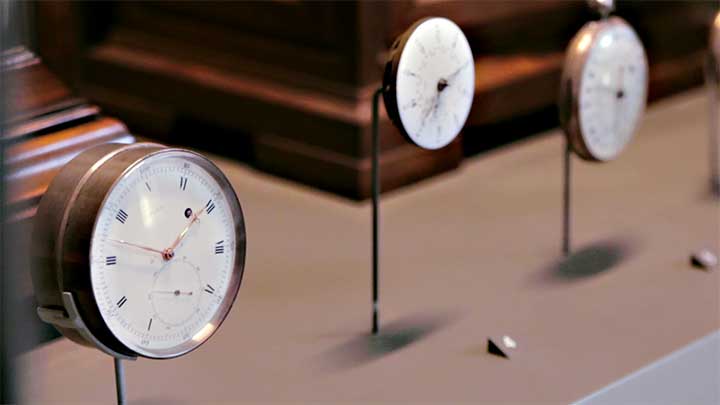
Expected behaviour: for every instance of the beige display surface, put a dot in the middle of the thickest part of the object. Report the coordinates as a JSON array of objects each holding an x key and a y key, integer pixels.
[{"x": 466, "y": 256}]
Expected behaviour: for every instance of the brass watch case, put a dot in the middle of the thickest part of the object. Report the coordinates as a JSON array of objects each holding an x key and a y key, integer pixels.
[{"x": 63, "y": 233}]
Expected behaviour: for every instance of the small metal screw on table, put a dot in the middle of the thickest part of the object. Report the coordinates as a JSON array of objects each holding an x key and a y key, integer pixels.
[{"x": 704, "y": 259}]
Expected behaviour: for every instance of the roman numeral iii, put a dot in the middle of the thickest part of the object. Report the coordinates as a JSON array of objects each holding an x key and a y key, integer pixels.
[
  {"x": 110, "y": 260},
  {"x": 210, "y": 206}
]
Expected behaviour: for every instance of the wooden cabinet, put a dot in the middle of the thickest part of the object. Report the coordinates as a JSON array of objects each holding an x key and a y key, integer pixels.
[
  {"x": 46, "y": 126},
  {"x": 286, "y": 85}
]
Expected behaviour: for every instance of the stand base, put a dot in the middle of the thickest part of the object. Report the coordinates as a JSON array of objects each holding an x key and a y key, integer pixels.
[{"x": 72, "y": 320}]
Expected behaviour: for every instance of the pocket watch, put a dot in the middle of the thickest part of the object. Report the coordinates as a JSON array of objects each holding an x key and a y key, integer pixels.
[
  {"x": 138, "y": 250},
  {"x": 429, "y": 82},
  {"x": 714, "y": 54},
  {"x": 603, "y": 88}
]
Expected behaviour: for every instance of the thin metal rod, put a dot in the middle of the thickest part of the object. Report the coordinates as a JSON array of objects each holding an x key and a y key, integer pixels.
[
  {"x": 566, "y": 199},
  {"x": 375, "y": 208},
  {"x": 119, "y": 381},
  {"x": 714, "y": 128}
]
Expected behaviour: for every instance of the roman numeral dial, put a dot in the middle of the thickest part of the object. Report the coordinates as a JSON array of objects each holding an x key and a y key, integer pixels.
[{"x": 164, "y": 261}]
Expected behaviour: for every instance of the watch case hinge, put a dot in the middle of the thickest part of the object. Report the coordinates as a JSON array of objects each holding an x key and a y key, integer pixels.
[{"x": 70, "y": 319}]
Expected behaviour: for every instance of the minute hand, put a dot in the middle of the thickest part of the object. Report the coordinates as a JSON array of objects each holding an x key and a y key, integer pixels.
[
  {"x": 148, "y": 249},
  {"x": 458, "y": 70}
]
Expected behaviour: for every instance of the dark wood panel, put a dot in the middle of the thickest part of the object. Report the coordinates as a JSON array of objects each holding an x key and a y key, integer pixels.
[
  {"x": 292, "y": 81},
  {"x": 314, "y": 23},
  {"x": 49, "y": 127}
]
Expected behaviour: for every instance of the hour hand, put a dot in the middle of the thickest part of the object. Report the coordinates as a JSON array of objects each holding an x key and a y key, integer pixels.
[{"x": 184, "y": 232}]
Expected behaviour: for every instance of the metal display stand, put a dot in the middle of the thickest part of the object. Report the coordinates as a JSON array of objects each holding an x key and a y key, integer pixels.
[
  {"x": 375, "y": 207},
  {"x": 713, "y": 85},
  {"x": 567, "y": 160},
  {"x": 119, "y": 380},
  {"x": 604, "y": 8}
]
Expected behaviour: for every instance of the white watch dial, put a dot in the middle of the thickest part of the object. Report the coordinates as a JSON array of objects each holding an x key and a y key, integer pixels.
[
  {"x": 613, "y": 90},
  {"x": 435, "y": 83},
  {"x": 162, "y": 256}
]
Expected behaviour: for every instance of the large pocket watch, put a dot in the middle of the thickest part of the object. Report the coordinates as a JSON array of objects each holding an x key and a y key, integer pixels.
[{"x": 138, "y": 250}]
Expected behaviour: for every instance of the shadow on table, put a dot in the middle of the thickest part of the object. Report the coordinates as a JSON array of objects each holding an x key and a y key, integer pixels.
[
  {"x": 392, "y": 337},
  {"x": 157, "y": 401},
  {"x": 588, "y": 261}
]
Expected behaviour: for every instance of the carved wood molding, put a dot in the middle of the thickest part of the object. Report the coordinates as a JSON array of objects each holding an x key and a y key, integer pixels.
[{"x": 47, "y": 127}]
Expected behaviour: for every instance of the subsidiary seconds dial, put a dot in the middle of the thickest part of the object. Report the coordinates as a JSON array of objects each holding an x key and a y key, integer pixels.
[
  {"x": 166, "y": 249},
  {"x": 429, "y": 82}
]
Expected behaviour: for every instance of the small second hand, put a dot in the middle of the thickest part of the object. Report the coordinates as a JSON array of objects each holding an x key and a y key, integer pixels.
[{"x": 176, "y": 292}]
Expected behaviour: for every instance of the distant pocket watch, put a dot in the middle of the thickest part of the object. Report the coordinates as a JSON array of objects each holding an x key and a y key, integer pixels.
[
  {"x": 139, "y": 250},
  {"x": 714, "y": 54},
  {"x": 429, "y": 82},
  {"x": 604, "y": 88}
]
